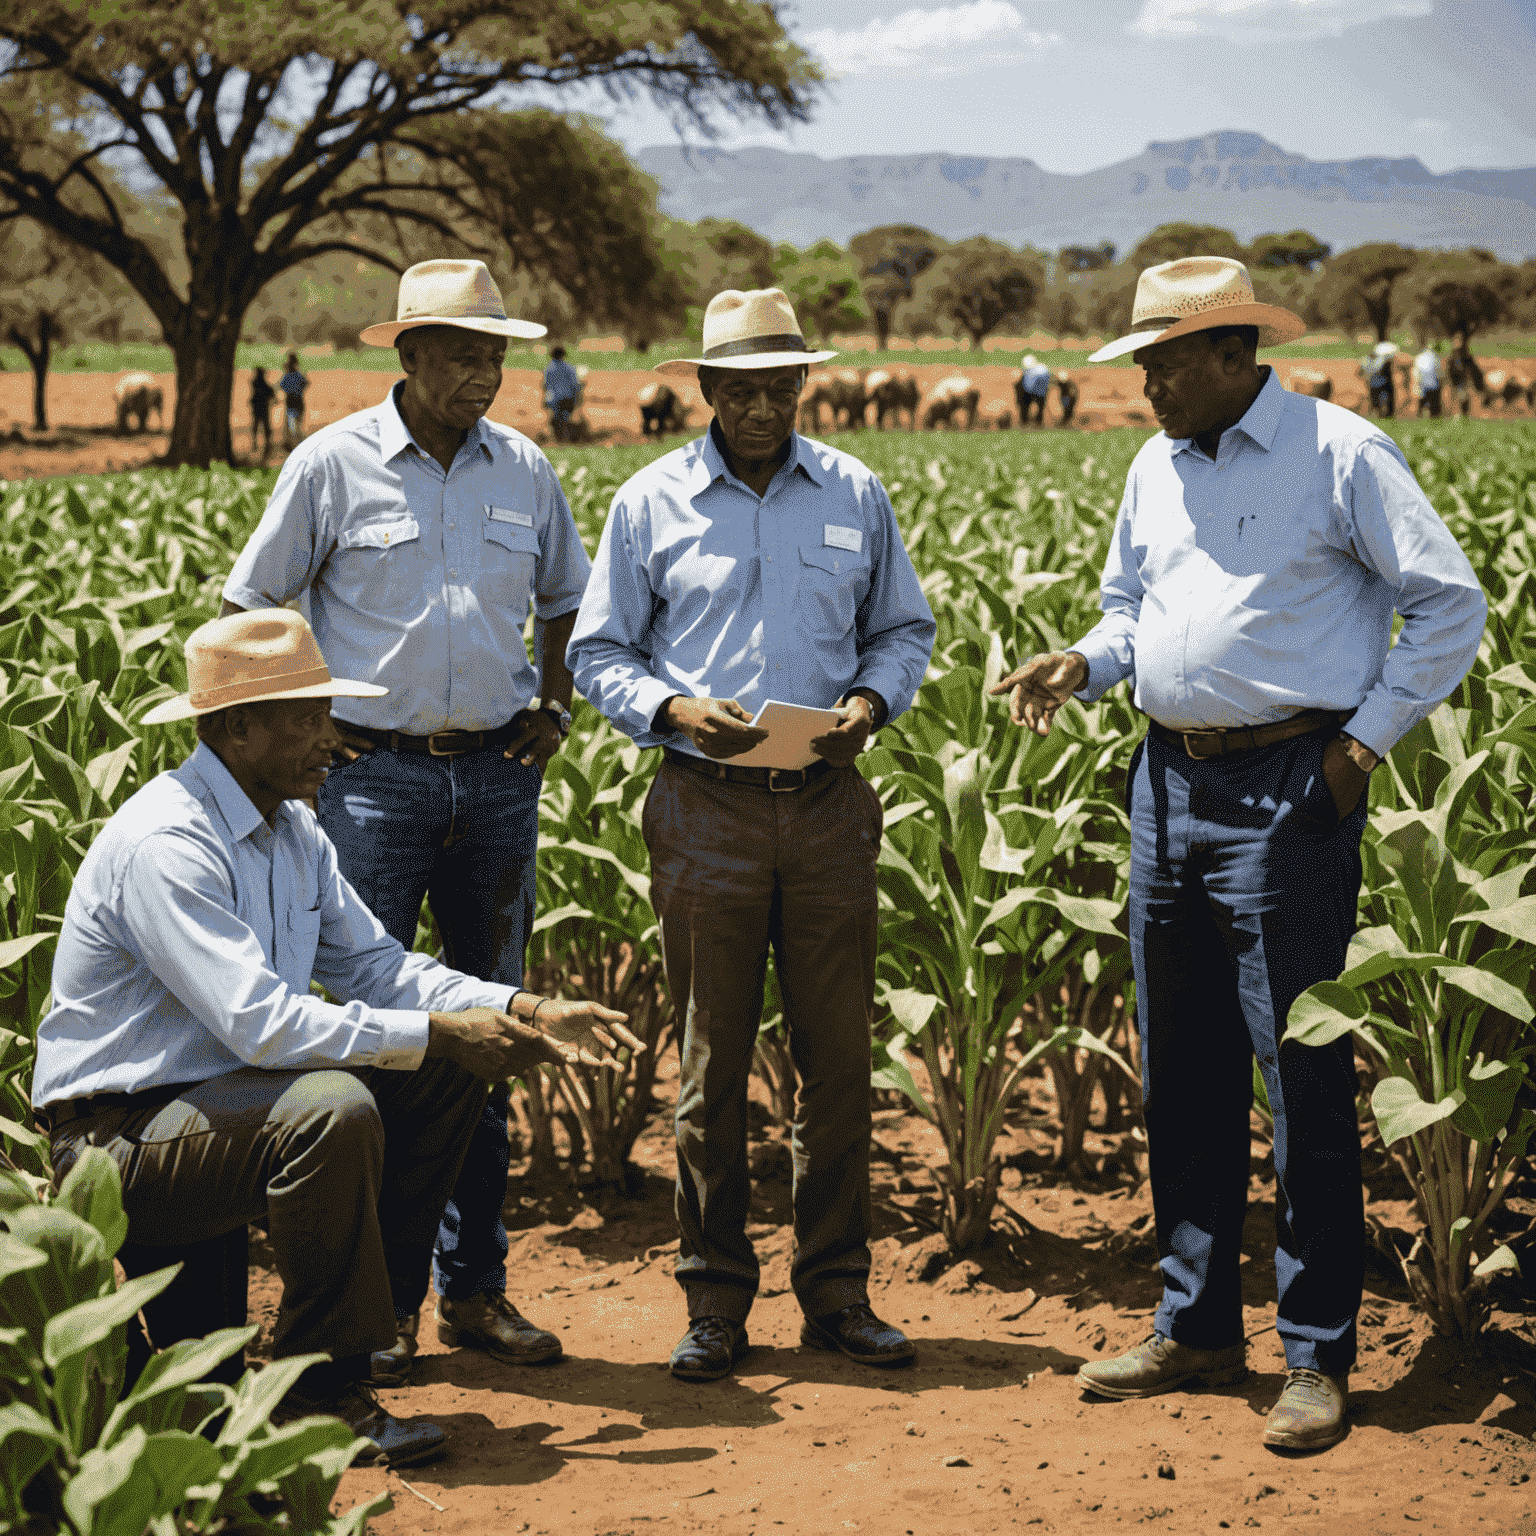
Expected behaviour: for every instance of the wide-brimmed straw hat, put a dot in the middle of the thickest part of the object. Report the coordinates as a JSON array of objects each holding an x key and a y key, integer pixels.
[
  {"x": 1199, "y": 293},
  {"x": 752, "y": 329},
  {"x": 460, "y": 293},
  {"x": 243, "y": 658}
]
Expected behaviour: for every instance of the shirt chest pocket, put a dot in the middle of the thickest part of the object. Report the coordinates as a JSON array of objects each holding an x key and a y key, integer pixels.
[
  {"x": 298, "y": 937},
  {"x": 833, "y": 582},
  {"x": 511, "y": 557},
  {"x": 377, "y": 563}
]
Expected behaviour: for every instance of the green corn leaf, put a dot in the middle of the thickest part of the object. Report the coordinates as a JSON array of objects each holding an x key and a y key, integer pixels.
[
  {"x": 1518, "y": 919},
  {"x": 1490, "y": 1088},
  {"x": 1095, "y": 914},
  {"x": 1401, "y": 1112},
  {"x": 85, "y": 1325},
  {"x": 259, "y": 1392},
  {"x": 13, "y": 950},
  {"x": 911, "y": 1009},
  {"x": 28, "y": 1442},
  {"x": 278, "y": 1452},
  {"x": 1488, "y": 988},
  {"x": 118, "y": 1491},
  {"x": 93, "y": 1190},
  {"x": 1326, "y": 1010}
]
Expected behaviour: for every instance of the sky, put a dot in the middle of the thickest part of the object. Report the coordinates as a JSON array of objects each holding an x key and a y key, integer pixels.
[{"x": 1078, "y": 84}]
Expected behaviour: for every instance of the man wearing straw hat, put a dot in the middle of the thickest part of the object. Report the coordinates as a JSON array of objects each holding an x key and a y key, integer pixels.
[
  {"x": 421, "y": 533},
  {"x": 755, "y": 565},
  {"x": 184, "y": 1039},
  {"x": 1263, "y": 544}
]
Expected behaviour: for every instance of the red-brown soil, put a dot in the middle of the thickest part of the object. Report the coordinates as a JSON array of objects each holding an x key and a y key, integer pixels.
[
  {"x": 82, "y": 439},
  {"x": 607, "y": 1443}
]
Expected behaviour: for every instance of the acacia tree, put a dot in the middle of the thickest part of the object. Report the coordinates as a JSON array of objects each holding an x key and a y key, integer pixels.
[
  {"x": 285, "y": 129},
  {"x": 1456, "y": 293},
  {"x": 978, "y": 283},
  {"x": 890, "y": 260},
  {"x": 1173, "y": 242},
  {"x": 1357, "y": 285},
  {"x": 824, "y": 286}
]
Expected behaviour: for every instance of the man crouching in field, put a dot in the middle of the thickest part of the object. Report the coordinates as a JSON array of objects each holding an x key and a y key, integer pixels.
[
  {"x": 1263, "y": 543},
  {"x": 185, "y": 1042},
  {"x": 755, "y": 565}
]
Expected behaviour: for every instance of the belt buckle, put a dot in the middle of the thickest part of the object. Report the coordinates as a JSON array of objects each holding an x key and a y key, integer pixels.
[
  {"x": 434, "y": 750},
  {"x": 1200, "y": 757},
  {"x": 787, "y": 789}
]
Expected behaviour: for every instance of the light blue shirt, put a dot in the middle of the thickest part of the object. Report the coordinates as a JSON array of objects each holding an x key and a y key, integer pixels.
[
  {"x": 561, "y": 381},
  {"x": 701, "y": 589},
  {"x": 1241, "y": 590},
  {"x": 1427, "y": 367},
  {"x": 1036, "y": 379},
  {"x": 418, "y": 580},
  {"x": 190, "y": 938}
]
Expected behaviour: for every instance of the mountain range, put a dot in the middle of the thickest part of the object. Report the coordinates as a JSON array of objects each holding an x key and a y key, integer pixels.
[{"x": 1237, "y": 180}]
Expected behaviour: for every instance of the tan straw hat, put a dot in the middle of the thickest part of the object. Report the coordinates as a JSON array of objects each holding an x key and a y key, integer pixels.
[
  {"x": 755, "y": 329},
  {"x": 461, "y": 293},
  {"x": 1198, "y": 293},
  {"x": 270, "y": 653}
]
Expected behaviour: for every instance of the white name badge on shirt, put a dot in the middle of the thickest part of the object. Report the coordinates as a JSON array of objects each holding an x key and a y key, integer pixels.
[
  {"x": 507, "y": 515},
  {"x": 843, "y": 538}
]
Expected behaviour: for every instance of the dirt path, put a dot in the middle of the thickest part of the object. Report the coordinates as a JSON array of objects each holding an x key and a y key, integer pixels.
[
  {"x": 607, "y": 1443},
  {"x": 82, "y": 440}
]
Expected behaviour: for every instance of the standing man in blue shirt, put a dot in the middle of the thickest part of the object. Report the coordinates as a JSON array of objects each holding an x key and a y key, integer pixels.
[
  {"x": 754, "y": 564},
  {"x": 562, "y": 394},
  {"x": 421, "y": 533},
  {"x": 1031, "y": 389},
  {"x": 1264, "y": 541}
]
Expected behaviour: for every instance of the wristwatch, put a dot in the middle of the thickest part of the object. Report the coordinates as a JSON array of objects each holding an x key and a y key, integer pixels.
[{"x": 560, "y": 715}]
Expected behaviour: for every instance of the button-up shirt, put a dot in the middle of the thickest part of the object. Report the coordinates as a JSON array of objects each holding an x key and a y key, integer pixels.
[
  {"x": 700, "y": 588},
  {"x": 1241, "y": 589},
  {"x": 561, "y": 381},
  {"x": 417, "y": 579},
  {"x": 1426, "y": 367},
  {"x": 1036, "y": 379},
  {"x": 190, "y": 939}
]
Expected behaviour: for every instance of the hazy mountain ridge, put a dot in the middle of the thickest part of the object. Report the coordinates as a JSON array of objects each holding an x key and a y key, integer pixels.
[{"x": 1237, "y": 180}]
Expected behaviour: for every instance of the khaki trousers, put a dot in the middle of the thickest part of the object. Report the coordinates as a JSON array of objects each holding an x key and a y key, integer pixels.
[
  {"x": 734, "y": 870},
  {"x": 349, "y": 1169}
]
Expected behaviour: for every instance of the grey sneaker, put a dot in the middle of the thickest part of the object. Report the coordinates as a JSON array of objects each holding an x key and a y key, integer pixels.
[
  {"x": 1160, "y": 1365},
  {"x": 1310, "y": 1413}
]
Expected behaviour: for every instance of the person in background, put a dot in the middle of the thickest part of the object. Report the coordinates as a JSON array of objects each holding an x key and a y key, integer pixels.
[
  {"x": 1464, "y": 373},
  {"x": 292, "y": 385},
  {"x": 562, "y": 394},
  {"x": 1067, "y": 391},
  {"x": 1377, "y": 371},
  {"x": 262, "y": 395},
  {"x": 1263, "y": 545},
  {"x": 1426, "y": 378},
  {"x": 422, "y": 533},
  {"x": 185, "y": 1042},
  {"x": 1031, "y": 389},
  {"x": 755, "y": 565}
]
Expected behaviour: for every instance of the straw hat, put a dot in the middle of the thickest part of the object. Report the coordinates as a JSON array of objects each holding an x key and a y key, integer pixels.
[
  {"x": 1199, "y": 293},
  {"x": 755, "y": 329},
  {"x": 461, "y": 293},
  {"x": 270, "y": 653}
]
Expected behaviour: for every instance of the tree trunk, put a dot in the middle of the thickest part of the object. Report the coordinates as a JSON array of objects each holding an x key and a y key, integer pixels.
[
  {"x": 205, "y": 376},
  {"x": 38, "y": 357},
  {"x": 882, "y": 326}
]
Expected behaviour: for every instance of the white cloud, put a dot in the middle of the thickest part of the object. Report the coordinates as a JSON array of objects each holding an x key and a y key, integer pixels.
[
  {"x": 1262, "y": 21},
  {"x": 1430, "y": 125},
  {"x": 931, "y": 41}
]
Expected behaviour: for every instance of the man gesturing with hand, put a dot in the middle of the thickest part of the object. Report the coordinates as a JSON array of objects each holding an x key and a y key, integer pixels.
[
  {"x": 1263, "y": 545},
  {"x": 755, "y": 565}
]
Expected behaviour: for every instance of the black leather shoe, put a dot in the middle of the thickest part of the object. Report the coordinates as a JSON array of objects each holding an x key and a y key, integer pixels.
[
  {"x": 709, "y": 1349},
  {"x": 392, "y": 1367},
  {"x": 394, "y": 1442},
  {"x": 856, "y": 1332}
]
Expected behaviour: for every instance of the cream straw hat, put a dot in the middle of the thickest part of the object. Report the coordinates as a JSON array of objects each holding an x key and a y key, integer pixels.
[
  {"x": 461, "y": 293},
  {"x": 1198, "y": 293},
  {"x": 755, "y": 329},
  {"x": 269, "y": 653}
]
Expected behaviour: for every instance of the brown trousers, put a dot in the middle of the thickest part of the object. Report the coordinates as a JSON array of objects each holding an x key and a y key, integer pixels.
[
  {"x": 735, "y": 869},
  {"x": 349, "y": 1169}
]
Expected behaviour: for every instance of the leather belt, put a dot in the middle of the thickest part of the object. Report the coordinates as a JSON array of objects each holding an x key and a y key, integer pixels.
[
  {"x": 52, "y": 1118},
  {"x": 1230, "y": 741},
  {"x": 439, "y": 743},
  {"x": 782, "y": 781}
]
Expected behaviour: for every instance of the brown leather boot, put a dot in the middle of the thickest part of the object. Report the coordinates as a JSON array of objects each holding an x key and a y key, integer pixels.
[
  {"x": 1160, "y": 1365},
  {"x": 392, "y": 1367},
  {"x": 1311, "y": 1412},
  {"x": 490, "y": 1322}
]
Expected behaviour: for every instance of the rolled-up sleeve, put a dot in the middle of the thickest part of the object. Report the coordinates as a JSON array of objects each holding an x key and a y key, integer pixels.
[
  {"x": 284, "y": 555},
  {"x": 1397, "y": 533},
  {"x": 895, "y": 625},
  {"x": 609, "y": 654}
]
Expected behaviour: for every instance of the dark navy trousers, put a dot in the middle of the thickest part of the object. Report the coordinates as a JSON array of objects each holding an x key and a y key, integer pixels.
[
  {"x": 1244, "y": 884},
  {"x": 463, "y": 832}
]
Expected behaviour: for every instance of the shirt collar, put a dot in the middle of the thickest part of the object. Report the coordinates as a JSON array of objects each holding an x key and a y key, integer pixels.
[
  {"x": 711, "y": 463},
  {"x": 234, "y": 804},
  {"x": 1260, "y": 421},
  {"x": 395, "y": 437}
]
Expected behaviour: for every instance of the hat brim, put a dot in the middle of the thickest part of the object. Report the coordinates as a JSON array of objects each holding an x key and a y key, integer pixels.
[
  {"x": 689, "y": 366},
  {"x": 1276, "y": 327},
  {"x": 385, "y": 332},
  {"x": 181, "y": 708}
]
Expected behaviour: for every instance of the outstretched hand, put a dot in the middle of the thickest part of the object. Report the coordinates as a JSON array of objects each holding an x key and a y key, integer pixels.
[
  {"x": 1040, "y": 687},
  {"x": 592, "y": 1031}
]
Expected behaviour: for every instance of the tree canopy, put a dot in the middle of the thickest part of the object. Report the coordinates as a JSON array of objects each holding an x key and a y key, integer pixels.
[
  {"x": 284, "y": 130},
  {"x": 824, "y": 285},
  {"x": 1299, "y": 248},
  {"x": 890, "y": 260},
  {"x": 978, "y": 283},
  {"x": 1172, "y": 242},
  {"x": 1454, "y": 293},
  {"x": 1357, "y": 287}
]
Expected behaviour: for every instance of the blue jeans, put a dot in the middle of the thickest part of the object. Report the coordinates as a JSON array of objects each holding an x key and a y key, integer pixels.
[
  {"x": 463, "y": 832},
  {"x": 1244, "y": 885}
]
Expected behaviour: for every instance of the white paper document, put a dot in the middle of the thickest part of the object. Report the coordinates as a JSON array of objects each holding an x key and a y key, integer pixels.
[{"x": 791, "y": 729}]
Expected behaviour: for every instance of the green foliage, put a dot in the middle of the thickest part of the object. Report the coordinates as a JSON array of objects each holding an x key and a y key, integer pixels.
[
  {"x": 976, "y": 284},
  {"x": 1358, "y": 284},
  {"x": 1299, "y": 248},
  {"x": 1171, "y": 242},
  {"x": 83, "y": 1452},
  {"x": 890, "y": 261},
  {"x": 1455, "y": 294},
  {"x": 823, "y": 283}
]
